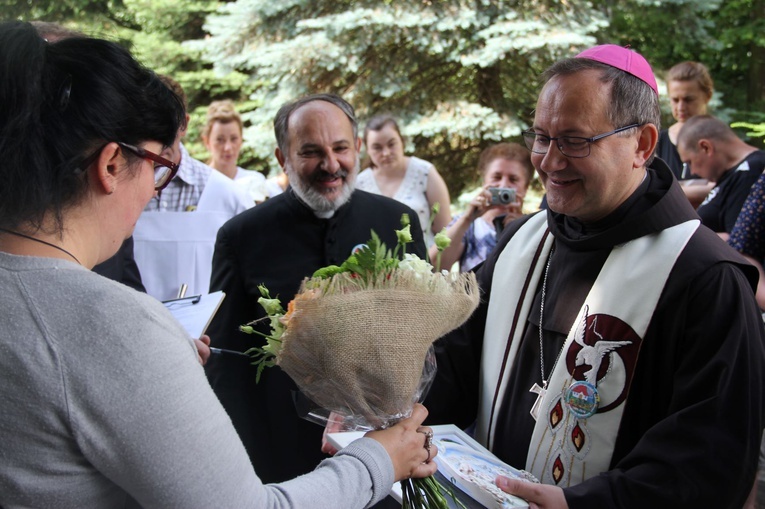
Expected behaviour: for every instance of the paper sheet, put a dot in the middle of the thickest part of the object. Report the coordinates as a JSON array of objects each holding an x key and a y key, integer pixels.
[{"x": 195, "y": 313}]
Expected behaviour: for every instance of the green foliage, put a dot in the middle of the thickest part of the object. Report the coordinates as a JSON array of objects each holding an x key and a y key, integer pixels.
[
  {"x": 60, "y": 10},
  {"x": 373, "y": 260},
  {"x": 726, "y": 36},
  {"x": 755, "y": 130},
  {"x": 460, "y": 75}
]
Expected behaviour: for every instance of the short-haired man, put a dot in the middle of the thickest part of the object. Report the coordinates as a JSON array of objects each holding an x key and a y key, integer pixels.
[
  {"x": 317, "y": 222},
  {"x": 175, "y": 235},
  {"x": 617, "y": 354},
  {"x": 713, "y": 151}
]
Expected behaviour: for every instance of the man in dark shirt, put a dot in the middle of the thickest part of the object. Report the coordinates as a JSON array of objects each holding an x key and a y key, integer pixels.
[
  {"x": 317, "y": 222},
  {"x": 714, "y": 152}
]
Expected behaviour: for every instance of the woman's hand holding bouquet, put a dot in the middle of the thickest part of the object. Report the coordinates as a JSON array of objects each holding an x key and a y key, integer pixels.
[{"x": 404, "y": 443}]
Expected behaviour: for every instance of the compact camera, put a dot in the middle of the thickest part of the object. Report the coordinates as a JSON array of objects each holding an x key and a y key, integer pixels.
[{"x": 502, "y": 195}]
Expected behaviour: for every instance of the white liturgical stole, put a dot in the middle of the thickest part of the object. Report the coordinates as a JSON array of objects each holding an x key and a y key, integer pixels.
[{"x": 600, "y": 352}]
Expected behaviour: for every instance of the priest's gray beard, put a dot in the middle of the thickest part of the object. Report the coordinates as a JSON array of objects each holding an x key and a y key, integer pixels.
[{"x": 315, "y": 199}]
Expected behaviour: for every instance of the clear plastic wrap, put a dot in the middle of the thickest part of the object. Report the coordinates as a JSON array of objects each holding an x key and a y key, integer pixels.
[{"x": 342, "y": 419}]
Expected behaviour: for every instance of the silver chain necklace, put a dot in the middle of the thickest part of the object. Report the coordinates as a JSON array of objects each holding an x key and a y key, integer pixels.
[{"x": 541, "y": 391}]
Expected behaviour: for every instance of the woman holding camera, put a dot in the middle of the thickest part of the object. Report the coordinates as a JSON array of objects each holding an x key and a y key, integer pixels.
[
  {"x": 407, "y": 179},
  {"x": 474, "y": 234}
]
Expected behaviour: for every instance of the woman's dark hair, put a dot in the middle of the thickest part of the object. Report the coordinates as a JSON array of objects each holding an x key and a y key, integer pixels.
[
  {"x": 377, "y": 123},
  {"x": 61, "y": 102}
]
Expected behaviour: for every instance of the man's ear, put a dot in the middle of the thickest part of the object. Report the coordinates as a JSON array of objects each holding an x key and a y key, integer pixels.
[
  {"x": 706, "y": 147},
  {"x": 647, "y": 139},
  {"x": 184, "y": 129},
  {"x": 358, "y": 143},
  {"x": 108, "y": 164},
  {"x": 279, "y": 157}
]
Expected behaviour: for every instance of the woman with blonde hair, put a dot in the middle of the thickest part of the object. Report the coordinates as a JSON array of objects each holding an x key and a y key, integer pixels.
[
  {"x": 690, "y": 88},
  {"x": 222, "y": 136}
]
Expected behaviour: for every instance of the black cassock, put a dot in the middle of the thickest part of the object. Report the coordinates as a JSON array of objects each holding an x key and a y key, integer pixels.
[
  {"x": 690, "y": 433},
  {"x": 277, "y": 244}
]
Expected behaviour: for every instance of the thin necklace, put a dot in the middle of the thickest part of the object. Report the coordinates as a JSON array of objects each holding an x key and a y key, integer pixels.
[
  {"x": 540, "y": 391},
  {"x": 42, "y": 242}
]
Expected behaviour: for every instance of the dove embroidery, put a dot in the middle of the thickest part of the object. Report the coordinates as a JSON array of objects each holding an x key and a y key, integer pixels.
[{"x": 592, "y": 355}]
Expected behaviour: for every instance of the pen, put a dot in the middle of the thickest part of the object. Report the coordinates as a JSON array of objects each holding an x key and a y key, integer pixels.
[
  {"x": 182, "y": 291},
  {"x": 223, "y": 350}
]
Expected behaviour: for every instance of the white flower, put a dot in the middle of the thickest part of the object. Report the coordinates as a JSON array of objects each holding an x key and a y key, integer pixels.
[{"x": 414, "y": 263}]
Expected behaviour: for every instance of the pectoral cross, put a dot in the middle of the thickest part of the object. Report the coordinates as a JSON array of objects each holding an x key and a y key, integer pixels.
[{"x": 540, "y": 392}]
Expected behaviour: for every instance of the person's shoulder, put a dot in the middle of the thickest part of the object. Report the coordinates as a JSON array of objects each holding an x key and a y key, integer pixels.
[
  {"x": 756, "y": 161},
  {"x": 381, "y": 207},
  {"x": 420, "y": 165},
  {"x": 706, "y": 249},
  {"x": 107, "y": 302},
  {"x": 418, "y": 161},
  {"x": 361, "y": 196},
  {"x": 191, "y": 170},
  {"x": 244, "y": 173},
  {"x": 266, "y": 214},
  {"x": 364, "y": 177},
  {"x": 231, "y": 198},
  {"x": 512, "y": 228}
]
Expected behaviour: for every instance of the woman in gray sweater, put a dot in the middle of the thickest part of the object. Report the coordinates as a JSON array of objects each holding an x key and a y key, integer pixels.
[{"x": 104, "y": 403}]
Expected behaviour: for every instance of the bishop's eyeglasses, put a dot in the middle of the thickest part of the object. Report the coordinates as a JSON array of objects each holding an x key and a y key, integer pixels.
[{"x": 569, "y": 146}]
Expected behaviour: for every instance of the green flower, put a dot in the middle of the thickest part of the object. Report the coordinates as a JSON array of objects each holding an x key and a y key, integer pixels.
[
  {"x": 442, "y": 240},
  {"x": 404, "y": 235},
  {"x": 405, "y": 221},
  {"x": 271, "y": 306}
]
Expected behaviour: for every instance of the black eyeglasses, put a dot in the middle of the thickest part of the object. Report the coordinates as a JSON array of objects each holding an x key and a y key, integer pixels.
[
  {"x": 569, "y": 146},
  {"x": 164, "y": 169}
]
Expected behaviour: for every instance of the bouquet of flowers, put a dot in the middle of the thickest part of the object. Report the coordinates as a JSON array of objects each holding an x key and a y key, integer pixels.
[{"x": 356, "y": 337}]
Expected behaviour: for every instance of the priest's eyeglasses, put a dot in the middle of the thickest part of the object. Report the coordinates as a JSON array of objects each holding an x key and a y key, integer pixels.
[{"x": 569, "y": 146}]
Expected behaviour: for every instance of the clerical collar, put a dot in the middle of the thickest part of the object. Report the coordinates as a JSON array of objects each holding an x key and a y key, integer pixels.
[
  {"x": 318, "y": 214},
  {"x": 324, "y": 215},
  {"x": 576, "y": 229}
]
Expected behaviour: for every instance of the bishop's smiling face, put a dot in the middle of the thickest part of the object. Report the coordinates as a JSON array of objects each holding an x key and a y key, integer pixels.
[{"x": 592, "y": 187}]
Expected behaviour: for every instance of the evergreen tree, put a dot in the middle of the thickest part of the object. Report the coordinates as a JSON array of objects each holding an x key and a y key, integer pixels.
[{"x": 459, "y": 74}]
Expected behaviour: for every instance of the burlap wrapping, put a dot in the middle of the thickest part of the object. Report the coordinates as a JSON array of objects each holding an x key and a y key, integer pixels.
[{"x": 361, "y": 350}]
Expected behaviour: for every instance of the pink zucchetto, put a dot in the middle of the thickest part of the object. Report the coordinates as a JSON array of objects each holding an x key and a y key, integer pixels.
[{"x": 622, "y": 58}]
